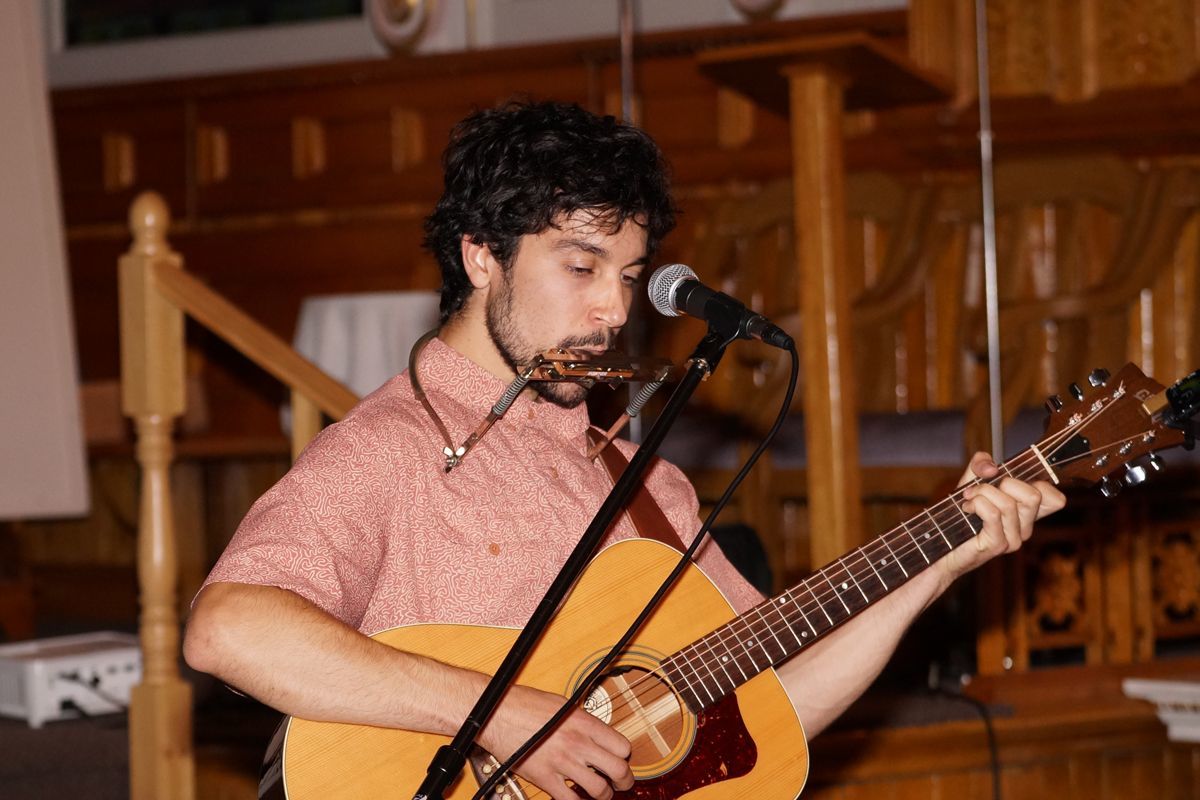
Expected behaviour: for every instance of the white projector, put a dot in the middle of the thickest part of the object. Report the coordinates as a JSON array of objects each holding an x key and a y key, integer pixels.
[{"x": 68, "y": 676}]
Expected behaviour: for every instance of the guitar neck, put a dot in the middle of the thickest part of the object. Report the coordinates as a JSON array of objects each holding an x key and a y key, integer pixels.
[{"x": 768, "y": 634}]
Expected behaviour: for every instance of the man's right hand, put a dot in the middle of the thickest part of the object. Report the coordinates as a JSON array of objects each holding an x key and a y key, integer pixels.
[{"x": 582, "y": 750}]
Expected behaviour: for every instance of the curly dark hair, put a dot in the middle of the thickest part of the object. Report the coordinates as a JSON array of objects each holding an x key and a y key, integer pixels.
[{"x": 519, "y": 169}]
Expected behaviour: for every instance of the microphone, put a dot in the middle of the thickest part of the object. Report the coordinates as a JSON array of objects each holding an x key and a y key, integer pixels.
[{"x": 674, "y": 289}]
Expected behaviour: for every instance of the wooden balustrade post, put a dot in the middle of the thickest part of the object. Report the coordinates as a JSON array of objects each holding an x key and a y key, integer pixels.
[
  {"x": 306, "y": 421},
  {"x": 152, "y": 393}
]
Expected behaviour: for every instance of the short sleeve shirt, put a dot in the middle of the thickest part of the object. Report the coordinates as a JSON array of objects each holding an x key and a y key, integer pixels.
[{"x": 369, "y": 526}]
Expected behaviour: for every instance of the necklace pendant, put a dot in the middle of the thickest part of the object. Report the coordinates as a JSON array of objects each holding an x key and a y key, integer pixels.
[{"x": 453, "y": 456}]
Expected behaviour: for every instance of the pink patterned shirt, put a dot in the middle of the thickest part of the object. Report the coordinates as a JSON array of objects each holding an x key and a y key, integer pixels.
[{"x": 367, "y": 525}]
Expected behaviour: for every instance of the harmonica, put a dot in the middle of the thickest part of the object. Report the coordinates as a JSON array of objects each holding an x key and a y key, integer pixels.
[{"x": 610, "y": 367}]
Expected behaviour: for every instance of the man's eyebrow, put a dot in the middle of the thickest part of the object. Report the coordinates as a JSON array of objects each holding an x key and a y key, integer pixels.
[
  {"x": 596, "y": 250},
  {"x": 581, "y": 244}
]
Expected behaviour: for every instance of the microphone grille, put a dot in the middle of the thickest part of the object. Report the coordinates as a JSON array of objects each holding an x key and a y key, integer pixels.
[{"x": 662, "y": 286}]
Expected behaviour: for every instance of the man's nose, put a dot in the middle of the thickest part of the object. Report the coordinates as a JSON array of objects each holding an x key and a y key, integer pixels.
[{"x": 611, "y": 305}]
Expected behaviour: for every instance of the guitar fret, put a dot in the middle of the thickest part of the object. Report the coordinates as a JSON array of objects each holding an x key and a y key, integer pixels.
[
  {"x": 698, "y": 680},
  {"x": 895, "y": 560},
  {"x": 938, "y": 528},
  {"x": 714, "y": 654},
  {"x": 678, "y": 680},
  {"x": 770, "y": 630},
  {"x": 783, "y": 599},
  {"x": 856, "y": 583},
  {"x": 871, "y": 564},
  {"x": 804, "y": 616},
  {"x": 974, "y": 523},
  {"x": 821, "y": 572},
  {"x": 723, "y": 659},
  {"x": 746, "y": 645},
  {"x": 823, "y": 611},
  {"x": 918, "y": 544},
  {"x": 783, "y": 651}
]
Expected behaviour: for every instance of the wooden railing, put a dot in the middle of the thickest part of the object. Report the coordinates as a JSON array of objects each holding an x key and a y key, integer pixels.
[{"x": 155, "y": 294}]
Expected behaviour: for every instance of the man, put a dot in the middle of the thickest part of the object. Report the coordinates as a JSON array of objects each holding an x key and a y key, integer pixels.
[{"x": 549, "y": 217}]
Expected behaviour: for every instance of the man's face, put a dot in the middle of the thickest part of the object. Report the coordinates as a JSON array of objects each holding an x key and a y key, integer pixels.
[{"x": 570, "y": 287}]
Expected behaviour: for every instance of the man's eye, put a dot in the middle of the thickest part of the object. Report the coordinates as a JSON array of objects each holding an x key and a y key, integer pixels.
[
  {"x": 631, "y": 280},
  {"x": 575, "y": 269}
]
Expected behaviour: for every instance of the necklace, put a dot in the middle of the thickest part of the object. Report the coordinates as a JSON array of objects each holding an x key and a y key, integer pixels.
[{"x": 453, "y": 454}]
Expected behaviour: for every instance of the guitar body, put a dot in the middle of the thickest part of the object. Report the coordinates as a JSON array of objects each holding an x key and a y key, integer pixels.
[{"x": 748, "y": 744}]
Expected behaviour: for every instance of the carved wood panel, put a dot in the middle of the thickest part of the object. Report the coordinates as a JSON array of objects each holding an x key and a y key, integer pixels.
[{"x": 1066, "y": 50}]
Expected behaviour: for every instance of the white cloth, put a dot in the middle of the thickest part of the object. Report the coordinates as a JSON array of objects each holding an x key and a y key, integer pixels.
[{"x": 364, "y": 339}]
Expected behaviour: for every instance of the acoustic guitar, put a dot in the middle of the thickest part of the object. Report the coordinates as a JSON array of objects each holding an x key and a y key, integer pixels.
[{"x": 695, "y": 693}]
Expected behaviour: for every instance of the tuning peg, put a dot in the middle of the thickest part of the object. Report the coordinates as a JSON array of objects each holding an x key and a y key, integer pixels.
[
  {"x": 1134, "y": 474},
  {"x": 1054, "y": 403},
  {"x": 1109, "y": 487},
  {"x": 1075, "y": 391},
  {"x": 1156, "y": 463},
  {"x": 1098, "y": 377}
]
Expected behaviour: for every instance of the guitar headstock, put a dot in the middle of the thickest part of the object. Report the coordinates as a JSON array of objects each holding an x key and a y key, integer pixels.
[{"x": 1110, "y": 432}]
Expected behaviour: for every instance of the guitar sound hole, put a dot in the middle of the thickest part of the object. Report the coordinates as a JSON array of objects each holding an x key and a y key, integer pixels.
[{"x": 641, "y": 706}]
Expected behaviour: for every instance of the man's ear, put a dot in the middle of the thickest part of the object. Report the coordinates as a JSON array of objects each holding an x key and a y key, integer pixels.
[{"x": 481, "y": 266}]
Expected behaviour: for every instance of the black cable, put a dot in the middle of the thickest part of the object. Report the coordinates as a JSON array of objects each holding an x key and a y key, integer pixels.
[
  {"x": 587, "y": 685},
  {"x": 985, "y": 714},
  {"x": 73, "y": 677}
]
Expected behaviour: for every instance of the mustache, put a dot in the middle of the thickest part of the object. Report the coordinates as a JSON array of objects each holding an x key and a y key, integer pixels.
[{"x": 596, "y": 339}]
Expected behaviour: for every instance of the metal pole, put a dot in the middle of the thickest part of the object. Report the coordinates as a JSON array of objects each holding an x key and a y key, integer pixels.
[
  {"x": 991, "y": 284},
  {"x": 635, "y": 328},
  {"x": 625, "y": 24}
]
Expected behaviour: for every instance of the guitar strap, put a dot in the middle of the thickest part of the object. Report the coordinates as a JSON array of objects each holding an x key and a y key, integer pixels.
[{"x": 648, "y": 518}]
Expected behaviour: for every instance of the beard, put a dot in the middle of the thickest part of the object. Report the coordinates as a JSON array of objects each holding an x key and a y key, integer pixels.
[{"x": 517, "y": 352}]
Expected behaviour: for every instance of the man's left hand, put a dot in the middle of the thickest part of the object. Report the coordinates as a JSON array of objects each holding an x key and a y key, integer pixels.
[{"x": 1008, "y": 510}]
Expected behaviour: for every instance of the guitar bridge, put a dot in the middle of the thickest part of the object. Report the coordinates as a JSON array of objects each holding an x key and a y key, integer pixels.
[{"x": 484, "y": 765}]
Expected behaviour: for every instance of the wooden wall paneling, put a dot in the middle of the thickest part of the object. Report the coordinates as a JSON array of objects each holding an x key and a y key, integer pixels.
[
  {"x": 1140, "y": 44},
  {"x": 1142, "y": 582},
  {"x": 1070, "y": 51},
  {"x": 710, "y": 135},
  {"x": 107, "y": 154},
  {"x": 1185, "y": 326},
  {"x": 1116, "y": 561},
  {"x": 310, "y": 154},
  {"x": 1182, "y": 772},
  {"x": 211, "y": 150}
]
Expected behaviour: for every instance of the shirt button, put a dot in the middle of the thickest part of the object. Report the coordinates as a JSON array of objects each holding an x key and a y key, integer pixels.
[
  {"x": 494, "y": 549},
  {"x": 531, "y": 413},
  {"x": 553, "y": 473}
]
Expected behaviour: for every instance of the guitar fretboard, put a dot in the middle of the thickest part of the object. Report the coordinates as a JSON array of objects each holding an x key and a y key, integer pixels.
[{"x": 766, "y": 635}]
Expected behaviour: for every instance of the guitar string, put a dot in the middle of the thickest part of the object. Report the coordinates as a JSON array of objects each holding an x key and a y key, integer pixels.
[
  {"x": 736, "y": 629},
  {"x": 1033, "y": 461},
  {"x": 650, "y": 699},
  {"x": 692, "y": 659},
  {"x": 709, "y": 642}
]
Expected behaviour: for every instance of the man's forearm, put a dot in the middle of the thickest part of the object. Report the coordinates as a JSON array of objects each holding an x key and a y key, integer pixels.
[
  {"x": 291, "y": 655},
  {"x": 825, "y": 680}
]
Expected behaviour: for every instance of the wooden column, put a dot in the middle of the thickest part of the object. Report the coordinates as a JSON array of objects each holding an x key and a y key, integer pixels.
[
  {"x": 830, "y": 404},
  {"x": 152, "y": 393},
  {"x": 814, "y": 80}
]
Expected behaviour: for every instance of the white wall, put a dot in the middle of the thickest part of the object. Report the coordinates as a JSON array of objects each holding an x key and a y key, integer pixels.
[
  {"x": 42, "y": 470},
  {"x": 496, "y": 23}
]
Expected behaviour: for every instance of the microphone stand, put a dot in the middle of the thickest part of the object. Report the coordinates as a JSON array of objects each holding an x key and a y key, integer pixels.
[{"x": 450, "y": 758}]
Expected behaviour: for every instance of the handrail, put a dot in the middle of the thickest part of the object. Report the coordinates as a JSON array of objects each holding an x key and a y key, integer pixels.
[{"x": 251, "y": 339}]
